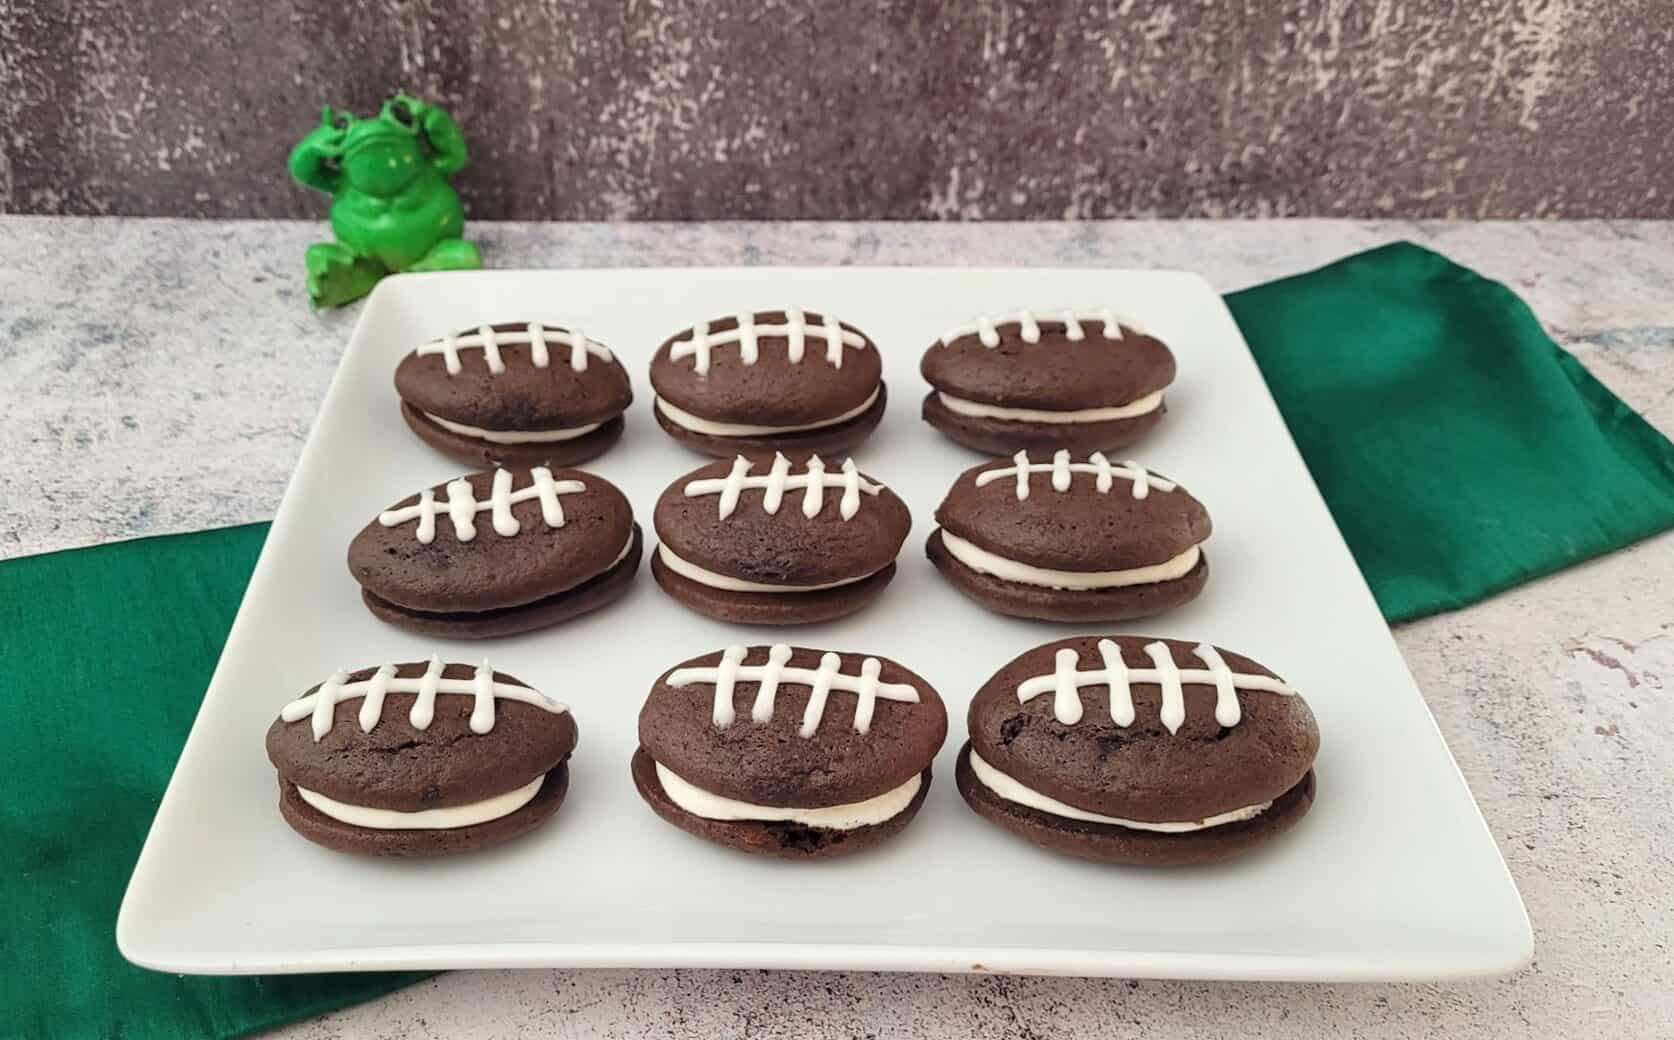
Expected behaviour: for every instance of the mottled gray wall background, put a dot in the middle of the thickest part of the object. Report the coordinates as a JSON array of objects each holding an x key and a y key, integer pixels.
[{"x": 822, "y": 109}]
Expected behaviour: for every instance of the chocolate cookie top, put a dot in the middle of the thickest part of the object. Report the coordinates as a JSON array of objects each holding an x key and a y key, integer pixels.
[
  {"x": 769, "y": 368},
  {"x": 1073, "y": 512},
  {"x": 780, "y": 522},
  {"x": 791, "y": 726},
  {"x": 499, "y": 538},
  {"x": 515, "y": 376},
  {"x": 1157, "y": 730},
  {"x": 1051, "y": 361},
  {"x": 419, "y": 735}
]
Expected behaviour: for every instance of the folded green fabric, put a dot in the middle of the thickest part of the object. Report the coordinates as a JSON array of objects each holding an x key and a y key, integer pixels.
[
  {"x": 104, "y": 656},
  {"x": 1460, "y": 450}
]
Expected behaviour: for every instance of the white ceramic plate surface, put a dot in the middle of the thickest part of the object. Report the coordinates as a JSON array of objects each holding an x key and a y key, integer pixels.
[{"x": 1393, "y": 874}]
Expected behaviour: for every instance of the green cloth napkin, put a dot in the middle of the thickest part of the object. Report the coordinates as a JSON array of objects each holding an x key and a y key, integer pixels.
[
  {"x": 1460, "y": 450},
  {"x": 104, "y": 656}
]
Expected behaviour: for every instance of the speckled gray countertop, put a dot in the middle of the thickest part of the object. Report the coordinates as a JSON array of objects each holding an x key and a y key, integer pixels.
[{"x": 161, "y": 376}]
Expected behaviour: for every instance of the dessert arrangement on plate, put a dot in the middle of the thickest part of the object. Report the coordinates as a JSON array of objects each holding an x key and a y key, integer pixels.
[{"x": 1118, "y": 748}]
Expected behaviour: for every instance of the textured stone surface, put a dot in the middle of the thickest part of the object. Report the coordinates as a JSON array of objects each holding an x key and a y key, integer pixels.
[
  {"x": 802, "y": 109},
  {"x": 165, "y": 373}
]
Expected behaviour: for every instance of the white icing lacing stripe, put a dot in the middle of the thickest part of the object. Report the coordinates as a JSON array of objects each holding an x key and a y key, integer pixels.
[
  {"x": 1063, "y": 471},
  {"x": 773, "y": 673},
  {"x": 1066, "y": 681},
  {"x": 812, "y": 482},
  {"x": 536, "y": 336},
  {"x": 987, "y": 328},
  {"x": 462, "y": 506},
  {"x": 321, "y": 705},
  {"x": 795, "y": 330}
]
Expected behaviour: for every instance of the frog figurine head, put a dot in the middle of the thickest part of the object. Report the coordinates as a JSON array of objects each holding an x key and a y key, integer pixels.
[
  {"x": 383, "y": 154},
  {"x": 392, "y": 206}
]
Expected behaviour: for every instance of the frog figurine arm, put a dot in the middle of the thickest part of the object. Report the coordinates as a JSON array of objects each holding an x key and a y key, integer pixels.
[
  {"x": 314, "y": 161},
  {"x": 392, "y": 206},
  {"x": 447, "y": 144}
]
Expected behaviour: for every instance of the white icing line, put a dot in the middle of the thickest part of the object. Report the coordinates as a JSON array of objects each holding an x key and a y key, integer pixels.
[
  {"x": 512, "y": 436},
  {"x": 724, "y": 677},
  {"x": 1013, "y": 791},
  {"x": 703, "y": 576},
  {"x": 538, "y": 355},
  {"x": 1066, "y": 697},
  {"x": 538, "y": 337},
  {"x": 1227, "y": 710},
  {"x": 976, "y": 409},
  {"x": 795, "y": 330},
  {"x": 1173, "y": 711},
  {"x": 1062, "y": 469},
  {"x": 986, "y": 327},
  {"x": 697, "y": 424},
  {"x": 446, "y": 818},
  {"x": 491, "y": 350},
  {"x": 321, "y": 705},
  {"x": 984, "y": 562},
  {"x": 709, "y": 806},
  {"x": 828, "y": 677},
  {"x": 812, "y": 482},
  {"x": 762, "y": 709},
  {"x": 462, "y": 505},
  {"x": 1164, "y": 673}
]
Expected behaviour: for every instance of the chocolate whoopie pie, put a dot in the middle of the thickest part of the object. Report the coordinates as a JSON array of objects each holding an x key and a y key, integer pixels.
[
  {"x": 1071, "y": 539},
  {"x": 420, "y": 759},
  {"x": 498, "y": 552},
  {"x": 786, "y": 751},
  {"x": 768, "y": 541},
  {"x": 516, "y": 393},
  {"x": 767, "y": 381},
  {"x": 1085, "y": 380},
  {"x": 1127, "y": 749}
]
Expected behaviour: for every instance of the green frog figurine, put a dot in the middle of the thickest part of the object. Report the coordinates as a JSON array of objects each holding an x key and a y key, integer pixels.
[{"x": 392, "y": 207}]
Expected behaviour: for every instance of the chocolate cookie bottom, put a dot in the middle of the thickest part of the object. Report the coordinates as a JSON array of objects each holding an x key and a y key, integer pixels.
[
  {"x": 765, "y": 838},
  {"x": 591, "y": 594},
  {"x": 771, "y": 608},
  {"x": 1036, "y": 601},
  {"x": 1127, "y": 846},
  {"x": 826, "y": 440},
  {"x": 321, "y": 829},
  {"x": 1007, "y": 436},
  {"x": 481, "y": 454}
]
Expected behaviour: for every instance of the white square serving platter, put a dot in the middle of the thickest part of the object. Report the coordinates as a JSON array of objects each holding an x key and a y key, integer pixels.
[{"x": 1393, "y": 875}]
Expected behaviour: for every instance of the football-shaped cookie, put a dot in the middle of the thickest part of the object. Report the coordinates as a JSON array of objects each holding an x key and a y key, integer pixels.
[
  {"x": 498, "y": 552},
  {"x": 514, "y": 393},
  {"x": 767, "y": 381},
  {"x": 1128, "y": 749},
  {"x": 420, "y": 759},
  {"x": 787, "y": 751},
  {"x": 1071, "y": 538},
  {"x": 1084, "y": 380},
  {"x": 768, "y": 541}
]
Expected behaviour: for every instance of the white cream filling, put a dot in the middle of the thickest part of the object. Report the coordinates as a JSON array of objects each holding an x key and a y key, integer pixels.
[
  {"x": 1145, "y": 405},
  {"x": 626, "y": 548},
  {"x": 698, "y": 424},
  {"x": 512, "y": 436},
  {"x": 1012, "y": 791},
  {"x": 985, "y": 562},
  {"x": 699, "y": 802},
  {"x": 702, "y": 576},
  {"x": 425, "y": 819}
]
